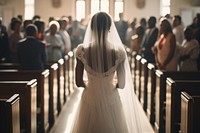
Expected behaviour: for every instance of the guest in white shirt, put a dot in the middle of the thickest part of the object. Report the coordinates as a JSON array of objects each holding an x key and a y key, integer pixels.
[
  {"x": 178, "y": 29},
  {"x": 64, "y": 35},
  {"x": 55, "y": 45}
]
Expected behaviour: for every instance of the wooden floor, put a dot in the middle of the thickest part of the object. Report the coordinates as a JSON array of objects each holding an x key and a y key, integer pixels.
[{"x": 63, "y": 123}]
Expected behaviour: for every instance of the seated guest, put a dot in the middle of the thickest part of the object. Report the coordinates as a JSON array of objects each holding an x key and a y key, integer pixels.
[{"x": 31, "y": 52}]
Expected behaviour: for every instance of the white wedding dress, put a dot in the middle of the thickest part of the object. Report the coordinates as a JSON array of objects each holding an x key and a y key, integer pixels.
[{"x": 100, "y": 109}]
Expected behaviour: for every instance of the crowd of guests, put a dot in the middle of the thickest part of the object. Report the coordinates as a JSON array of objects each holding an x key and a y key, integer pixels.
[
  {"x": 33, "y": 43},
  {"x": 165, "y": 41}
]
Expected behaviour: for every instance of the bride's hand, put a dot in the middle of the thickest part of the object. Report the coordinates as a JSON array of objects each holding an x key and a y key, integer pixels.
[
  {"x": 154, "y": 49},
  {"x": 117, "y": 86}
]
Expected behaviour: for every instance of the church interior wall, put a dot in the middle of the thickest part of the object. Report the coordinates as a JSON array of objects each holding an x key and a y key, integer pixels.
[{"x": 45, "y": 9}]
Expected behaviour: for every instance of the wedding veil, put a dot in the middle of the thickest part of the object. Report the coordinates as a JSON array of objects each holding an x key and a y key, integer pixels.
[{"x": 101, "y": 60}]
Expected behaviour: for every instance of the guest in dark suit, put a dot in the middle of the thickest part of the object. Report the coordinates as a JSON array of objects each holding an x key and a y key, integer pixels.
[
  {"x": 31, "y": 51},
  {"x": 122, "y": 27},
  {"x": 4, "y": 44},
  {"x": 150, "y": 39},
  {"x": 197, "y": 36}
]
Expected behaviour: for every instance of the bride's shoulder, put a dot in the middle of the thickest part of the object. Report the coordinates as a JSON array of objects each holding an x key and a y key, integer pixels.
[
  {"x": 122, "y": 51},
  {"x": 121, "y": 54}
]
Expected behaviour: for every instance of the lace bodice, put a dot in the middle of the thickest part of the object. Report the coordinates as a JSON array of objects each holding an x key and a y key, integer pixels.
[{"x": 80, "y": 52}]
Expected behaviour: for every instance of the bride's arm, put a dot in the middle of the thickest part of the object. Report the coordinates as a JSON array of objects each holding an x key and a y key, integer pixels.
[
  {"x": 79, "y": 73},
  {"x": 121, "y": 77}
]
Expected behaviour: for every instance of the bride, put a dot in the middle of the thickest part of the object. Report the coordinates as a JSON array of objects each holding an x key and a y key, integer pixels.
[{"x": 108, "y": 103}]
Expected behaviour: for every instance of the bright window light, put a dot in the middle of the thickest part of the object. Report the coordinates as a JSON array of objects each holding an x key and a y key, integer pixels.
[
  {"x": 29, "y": 9},
  {"x": 164, "y": 7},
  {"x": 80, "y": 9},
  {"x": 118, "y": 9},
  {"x": 104, "y": 6},
  {"x": 99, "y": 5},
  {"x": 94, "y": 7}
]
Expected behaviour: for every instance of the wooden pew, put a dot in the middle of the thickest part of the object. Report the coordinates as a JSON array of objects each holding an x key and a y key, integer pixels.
[
  {"x": 143, "y": 83},
  {"x": 53, "y": 92},
  {"x": 137, "y": 75},
  {"x": 132, "y": 63},
  {"x": 10, "y": 115},
  {"x": 151, "y": 83},
  {"x": 55, "y": 88},
  {"x": 27, "y": 91},
  {"x": 160, "y": 94},
  {"x": 9, "y": 66},
  {"x": 129, "y": 56},
  {"x": 190, "y": 113},
  {"x": 173, "y": 101},
  {"x": 63, "y": 63},
  {"x": 61, "y": 84},
  {"x": 42, "y": 92},
  {"x": 58, "y": 83},
  {"x": 67, "y": 75},
  {"x": 71, "y": 70}
]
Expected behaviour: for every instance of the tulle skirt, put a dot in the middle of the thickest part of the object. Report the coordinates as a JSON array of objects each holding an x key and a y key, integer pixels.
[{"x": 100, "y": 115}]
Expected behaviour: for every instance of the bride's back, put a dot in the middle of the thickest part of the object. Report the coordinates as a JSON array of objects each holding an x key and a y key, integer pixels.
[{"x": 100, "y": 60}]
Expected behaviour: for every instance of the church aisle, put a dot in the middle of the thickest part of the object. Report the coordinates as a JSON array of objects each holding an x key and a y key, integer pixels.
[{"x": 63, "y": 122}]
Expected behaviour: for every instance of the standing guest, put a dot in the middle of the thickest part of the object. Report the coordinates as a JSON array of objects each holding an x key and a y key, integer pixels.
[
  {"x": 35, "y": 18},
  {"x": 55, "y": 45},
  {"x": 131, "y": 31},
  {"x": 150, "y": 39},
  {"x": 64, "y": 35},
  {"x": 178, "y": 29},
  {"x": 48, "y": 25},
  {"x": 40, "y": 34},
  {"x": 9, "y": 29},
  {"x": 70, "y": 21},
  {"x": 15, "y": 36},
  {"x": 188, "y": 51},
  {"x": 76, "y": 33},
  {"x": 197, "y": 36},
  {"x": 143, "y": 23},
  {"x": 25, "y": 23},
  {"x": 31, "y": 51},
  {"x": 137, "y": 39},
  {"x": 165, "y": 47},
  {"x": 193, "y": 25},
  {"x": 169, "y": 18},
  {"x": 4, "y": 44},
  {"x": 122, "y": 27}
]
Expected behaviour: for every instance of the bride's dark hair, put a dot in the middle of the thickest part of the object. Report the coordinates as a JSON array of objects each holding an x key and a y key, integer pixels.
[
  {"x": 102, "y": 20},
  {"x": 101, "y": 23}
]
